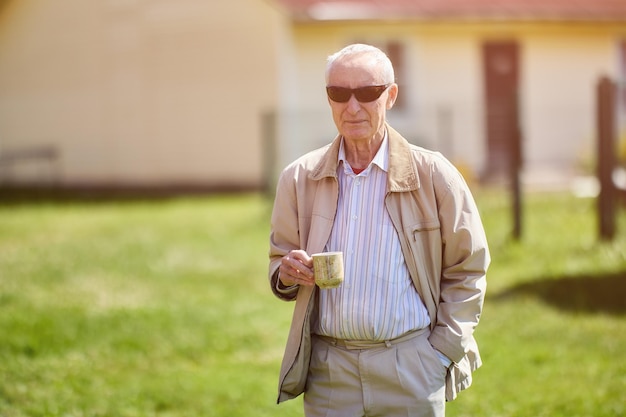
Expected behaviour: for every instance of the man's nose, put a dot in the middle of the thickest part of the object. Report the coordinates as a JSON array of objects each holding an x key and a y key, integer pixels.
[{"x": 353, "y": 104}]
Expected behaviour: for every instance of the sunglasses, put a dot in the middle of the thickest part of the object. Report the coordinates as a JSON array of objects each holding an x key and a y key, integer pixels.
[{"x": 362, "y": 94}]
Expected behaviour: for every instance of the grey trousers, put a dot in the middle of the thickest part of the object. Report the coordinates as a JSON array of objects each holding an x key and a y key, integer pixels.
[{"x": 399, "y": 378}]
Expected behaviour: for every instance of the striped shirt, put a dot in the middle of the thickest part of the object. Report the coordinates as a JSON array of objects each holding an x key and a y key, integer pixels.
[{"x": 377, "y": 300}]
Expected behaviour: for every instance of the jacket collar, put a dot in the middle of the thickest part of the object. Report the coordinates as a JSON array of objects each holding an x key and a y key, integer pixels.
[{"x": 402, "y": 175}]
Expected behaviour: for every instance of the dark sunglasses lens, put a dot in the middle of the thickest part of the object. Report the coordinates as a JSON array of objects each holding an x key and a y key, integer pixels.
[
  {"x": 367, "y": 94},
  {"x": 362, "y": 94},
  {"x": 339, "y": 94}
]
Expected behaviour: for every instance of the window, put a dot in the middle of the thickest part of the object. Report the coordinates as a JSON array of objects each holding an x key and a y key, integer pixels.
[{"x": 395, "y": 50}]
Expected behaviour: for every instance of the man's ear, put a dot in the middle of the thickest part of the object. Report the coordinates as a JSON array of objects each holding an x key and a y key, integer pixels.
[{"x": 392, "y": 95}]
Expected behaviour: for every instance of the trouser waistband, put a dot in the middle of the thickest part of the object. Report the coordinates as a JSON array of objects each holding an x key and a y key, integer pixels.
[{"x": 371, "y": 344}]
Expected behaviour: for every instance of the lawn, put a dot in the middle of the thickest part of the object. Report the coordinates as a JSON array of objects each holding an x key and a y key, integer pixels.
[{"x": 162, "y": 308}]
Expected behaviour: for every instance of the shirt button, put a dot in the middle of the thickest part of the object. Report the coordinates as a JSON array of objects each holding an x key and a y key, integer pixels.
[{"x": 354, "y": 217}]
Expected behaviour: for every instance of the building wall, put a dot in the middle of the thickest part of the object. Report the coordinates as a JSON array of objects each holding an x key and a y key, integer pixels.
[
  {"x": 139, "y": 92},
  {"x": 155, "y": 92},
  {"x": 559, "y": 67},
  {"x": 561, "y": 71}
]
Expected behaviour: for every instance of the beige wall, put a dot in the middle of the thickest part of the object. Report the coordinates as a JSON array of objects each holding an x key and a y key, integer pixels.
[
  {"x": 139, "y": 92},
  {"x": 157, "y": 92},
  {"x": 560, "y": 77},
  {"x": 559, "y": 65}
]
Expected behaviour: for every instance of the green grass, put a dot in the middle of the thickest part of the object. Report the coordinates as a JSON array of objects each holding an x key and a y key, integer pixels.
[{"x": 162, "y": 308}]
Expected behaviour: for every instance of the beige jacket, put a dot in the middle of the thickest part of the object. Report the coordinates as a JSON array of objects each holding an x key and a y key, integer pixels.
[{"x": 442, "y": 239}]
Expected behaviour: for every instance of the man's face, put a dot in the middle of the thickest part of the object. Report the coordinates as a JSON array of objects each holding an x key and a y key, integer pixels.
[{"x": 358, "y": 121}]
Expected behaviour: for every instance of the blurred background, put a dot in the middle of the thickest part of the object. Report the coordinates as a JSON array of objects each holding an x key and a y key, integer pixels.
[
  {"x": 221, "y": 94},
  {"x": 160, "y": 307}
]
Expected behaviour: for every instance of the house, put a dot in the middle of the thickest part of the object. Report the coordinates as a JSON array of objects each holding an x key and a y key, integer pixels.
[
  {"x": 221, "y": 94},
  {"x": 461, "y": 64},
  {"x": 136, "y": 94}
]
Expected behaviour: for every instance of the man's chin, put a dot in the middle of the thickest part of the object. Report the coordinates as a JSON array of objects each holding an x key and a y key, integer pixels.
[{"x": 355, "y": 133}]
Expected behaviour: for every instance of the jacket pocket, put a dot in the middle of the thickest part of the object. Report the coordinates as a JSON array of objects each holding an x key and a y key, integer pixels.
[
  {"x": 425, "y": 226},
  {"x": 426, "y": 245}
]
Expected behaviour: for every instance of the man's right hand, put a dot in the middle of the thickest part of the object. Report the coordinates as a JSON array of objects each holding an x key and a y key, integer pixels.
[{"x": 296, "y": 268}]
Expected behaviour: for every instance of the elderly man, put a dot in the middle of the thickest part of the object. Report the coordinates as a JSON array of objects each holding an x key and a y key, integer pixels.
[{"x": 396, "y": 338}]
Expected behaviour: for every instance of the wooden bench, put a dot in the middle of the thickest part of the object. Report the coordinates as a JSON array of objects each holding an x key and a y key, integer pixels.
[{"x": 11, "y": 160}]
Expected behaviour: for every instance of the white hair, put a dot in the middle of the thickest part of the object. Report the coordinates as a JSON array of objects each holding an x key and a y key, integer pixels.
[{"x": 378, "y": 56}]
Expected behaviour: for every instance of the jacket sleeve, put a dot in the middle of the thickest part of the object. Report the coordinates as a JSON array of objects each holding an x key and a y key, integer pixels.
[
  {"x": 465, "y": 259},
  {"x": 284, "y": 235}
]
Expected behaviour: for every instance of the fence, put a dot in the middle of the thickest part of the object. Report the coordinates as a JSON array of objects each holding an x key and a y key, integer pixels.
[
  {"x": 37, "y": 165},
  {"x": 456, "y": 130},
  {"x": 611, "y": 106}
]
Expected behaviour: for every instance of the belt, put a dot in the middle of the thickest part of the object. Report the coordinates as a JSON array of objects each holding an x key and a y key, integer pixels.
[{"x": 370, "y": 344}]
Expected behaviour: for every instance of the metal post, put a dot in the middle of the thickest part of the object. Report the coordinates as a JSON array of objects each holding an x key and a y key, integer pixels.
[
  {"x": 606, "y": 157},
  {"x": 515, "y": 166},
  {"x": 268, "y": 135}
]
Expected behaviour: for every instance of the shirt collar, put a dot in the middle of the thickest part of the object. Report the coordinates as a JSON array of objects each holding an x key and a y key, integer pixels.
[{"x": 381, "y": 159}]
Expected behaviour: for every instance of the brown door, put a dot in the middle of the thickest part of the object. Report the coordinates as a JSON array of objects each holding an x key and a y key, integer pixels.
[
  {"x": 501, "y": 76},
  {"x": 622, "y": 78}
]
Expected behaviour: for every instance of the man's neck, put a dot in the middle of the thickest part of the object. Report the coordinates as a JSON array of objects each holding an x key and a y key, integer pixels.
[{"x": 360, "y": 153}]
